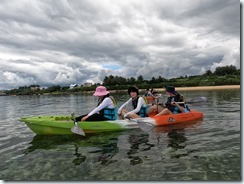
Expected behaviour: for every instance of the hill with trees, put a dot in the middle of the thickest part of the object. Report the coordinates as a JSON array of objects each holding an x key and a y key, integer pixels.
[{"x": 227, "y": 75}]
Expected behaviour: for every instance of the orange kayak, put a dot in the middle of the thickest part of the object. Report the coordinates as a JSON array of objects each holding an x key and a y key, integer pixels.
[
  {"x": 172, "y": 119},
  {"x": 150, "y": 99}
]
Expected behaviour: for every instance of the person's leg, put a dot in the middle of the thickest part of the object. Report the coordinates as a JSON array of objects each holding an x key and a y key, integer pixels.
[
  {"x": 123, "y": 112},
  {"x": 133, "y": 116},
  {"x": 96, "y": 117},
  {"x": 155, "y": 108},
  {"x": 164, "y": 112}
]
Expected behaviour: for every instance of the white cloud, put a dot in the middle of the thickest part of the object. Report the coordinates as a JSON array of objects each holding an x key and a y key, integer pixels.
[
  {"x": 62, "y": 42},
  {"x": 13, "y": 78},
  {"x": 230, "y": 58}
]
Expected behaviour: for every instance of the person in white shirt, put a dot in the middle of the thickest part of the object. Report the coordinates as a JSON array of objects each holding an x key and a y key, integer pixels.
[
  {"x": 139, "y": 105},
  {"x": 105, "y": 110}
]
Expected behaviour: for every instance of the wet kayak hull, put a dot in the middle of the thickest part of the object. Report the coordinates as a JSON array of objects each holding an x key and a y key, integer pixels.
[
  {"x": 62, "y": 124},
  {"x": 171, "y": 119}
]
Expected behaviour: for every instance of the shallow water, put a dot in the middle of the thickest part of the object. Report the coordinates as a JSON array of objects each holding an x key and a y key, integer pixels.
[{"x": 207, "y": 150}]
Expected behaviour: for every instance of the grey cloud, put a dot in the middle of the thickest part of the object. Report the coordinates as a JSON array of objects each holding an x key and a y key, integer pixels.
[
  {"x": 63, "y": 42},
  {"x": 218, "y": 15}
]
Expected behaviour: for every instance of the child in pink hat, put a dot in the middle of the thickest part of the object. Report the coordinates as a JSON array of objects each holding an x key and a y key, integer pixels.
[
  {"x": 105, "y": 110},
  {"x": 101, "y": 91}
]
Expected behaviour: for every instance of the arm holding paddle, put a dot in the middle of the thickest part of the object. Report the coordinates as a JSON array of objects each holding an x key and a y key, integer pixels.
[
  {"x": 138, "y": 104},
  {"x": 175, "y": 104},
  {"x": 135, "y": 111},
  {"x": 121, "y": 111}
]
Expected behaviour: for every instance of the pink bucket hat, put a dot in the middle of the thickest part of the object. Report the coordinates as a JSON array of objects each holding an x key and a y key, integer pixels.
[{"x": 101, "y": 91}]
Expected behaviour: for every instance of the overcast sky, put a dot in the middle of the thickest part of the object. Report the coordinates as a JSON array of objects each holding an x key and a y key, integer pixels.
[{"x": 61, "y": 42}]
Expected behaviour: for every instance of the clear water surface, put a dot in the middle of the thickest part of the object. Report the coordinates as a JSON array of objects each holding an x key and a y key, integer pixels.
[{"x": 206, "y": 151}]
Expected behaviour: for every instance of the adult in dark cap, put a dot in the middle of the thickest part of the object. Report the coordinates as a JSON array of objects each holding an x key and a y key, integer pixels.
[
  {"x": 139, "y": 105},
  {"x": 170, "y": 89},
  {"x": 171, "y": 106}
]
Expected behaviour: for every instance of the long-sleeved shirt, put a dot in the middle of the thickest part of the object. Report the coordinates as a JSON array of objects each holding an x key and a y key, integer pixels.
[
  {"x": 141, "y": 103},
  {"x": 107, "y": 102}
]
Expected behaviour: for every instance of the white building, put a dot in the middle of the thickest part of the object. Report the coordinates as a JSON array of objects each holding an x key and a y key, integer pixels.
[
  {"x": 71, "y": 86},
  {"x": 87, "y": 84}
]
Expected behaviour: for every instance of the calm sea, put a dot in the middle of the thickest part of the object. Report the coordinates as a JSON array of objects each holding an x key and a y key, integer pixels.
[{"x": 209, "y": 150}]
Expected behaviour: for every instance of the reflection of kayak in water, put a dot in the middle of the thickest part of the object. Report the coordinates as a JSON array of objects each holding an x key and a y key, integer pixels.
[
  {"x": 46, "y": 142},
  {"x": 74, "y": 146},
  {"x": 63, "y": 124},
  {"x": 178, "y": 126}
]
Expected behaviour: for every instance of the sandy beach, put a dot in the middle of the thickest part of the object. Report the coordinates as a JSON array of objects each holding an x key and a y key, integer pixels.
[
  {"x": 188, "y": 88},
  {"x": 202, "y": 88}
]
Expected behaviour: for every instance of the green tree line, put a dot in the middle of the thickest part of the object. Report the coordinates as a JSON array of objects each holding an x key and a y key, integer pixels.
[{"x": 227, "y": 75}]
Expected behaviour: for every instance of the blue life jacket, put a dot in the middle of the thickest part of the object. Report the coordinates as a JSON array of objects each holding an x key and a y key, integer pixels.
[
  {"x": 175, "y": 109},
  {"x": 109, "y": 113},
  {"x": 144, "y": 109}
]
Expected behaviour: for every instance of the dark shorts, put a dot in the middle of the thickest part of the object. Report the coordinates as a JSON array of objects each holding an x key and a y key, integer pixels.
[{"x": 94, "y": 117}]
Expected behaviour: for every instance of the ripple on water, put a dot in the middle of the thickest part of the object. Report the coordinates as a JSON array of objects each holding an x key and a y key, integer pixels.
[{"x": 207, "y": 151}]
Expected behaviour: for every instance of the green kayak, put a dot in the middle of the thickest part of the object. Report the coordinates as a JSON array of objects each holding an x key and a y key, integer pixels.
[{"x": 62, "y": 124}]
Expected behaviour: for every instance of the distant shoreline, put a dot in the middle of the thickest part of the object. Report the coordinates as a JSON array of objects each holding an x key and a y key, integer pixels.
[{"x": 196, "y": 88}]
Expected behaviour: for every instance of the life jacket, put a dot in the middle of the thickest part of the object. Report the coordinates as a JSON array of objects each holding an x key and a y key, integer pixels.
[
  {"x": 109, "y": 113},
  {"x": 144, "y": 109},
  {"x": 177, "y": 98},
  {"x": 147, "y": 94}
]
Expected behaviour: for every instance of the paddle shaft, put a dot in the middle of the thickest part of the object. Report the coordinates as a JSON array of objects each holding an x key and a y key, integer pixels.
[{"x": 201, "y": 99}]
